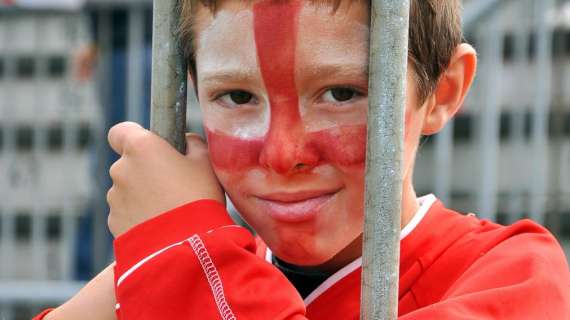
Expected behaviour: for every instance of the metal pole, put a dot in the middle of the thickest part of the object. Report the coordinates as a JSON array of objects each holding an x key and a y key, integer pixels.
[
  {"x": 541, "y": 110},
  {"x": 100, "y": 232},
  {"x": 135, "y": 82},
  {"x": 169, "y": 78},
  {"x": 491, "y": 35},
  {"x": 383, "y": 190}
]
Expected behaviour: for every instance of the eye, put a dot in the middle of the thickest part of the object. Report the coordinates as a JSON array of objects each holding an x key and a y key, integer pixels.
[
  {"x": 339, "y": 95},
  {"x": 236, "y": 98}
]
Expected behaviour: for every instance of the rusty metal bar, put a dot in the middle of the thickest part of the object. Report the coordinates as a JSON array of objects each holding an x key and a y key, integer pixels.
[
  {"x": 384, "y": 157},
  {"x": 169, "y": 78}
]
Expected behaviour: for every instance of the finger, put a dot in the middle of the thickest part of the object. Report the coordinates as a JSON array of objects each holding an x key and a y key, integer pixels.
[
  {"x": 119, "y": 133},
  {"x": 195, "y": 144},
  {"x": 116, "y": 171}
]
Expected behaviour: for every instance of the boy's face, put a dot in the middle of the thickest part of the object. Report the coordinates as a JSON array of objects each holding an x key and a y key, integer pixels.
[{"x": 283, "y": 91}]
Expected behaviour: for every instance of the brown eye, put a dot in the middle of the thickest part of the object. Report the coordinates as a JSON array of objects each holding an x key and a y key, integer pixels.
[
  {"x": 342, "y": 94},
  {"x": 237, "y": 98},
  {"x": 240, "y": 97}
]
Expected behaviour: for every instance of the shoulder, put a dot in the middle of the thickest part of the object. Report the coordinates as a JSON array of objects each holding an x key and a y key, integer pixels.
[
  {"x": 469, "y": 255},
  {"x": 468, "y": 233},
  {"x": 524, "y": 244}
]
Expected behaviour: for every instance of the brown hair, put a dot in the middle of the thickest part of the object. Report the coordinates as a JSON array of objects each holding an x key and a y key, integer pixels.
[{"x": 435, "y": 32}]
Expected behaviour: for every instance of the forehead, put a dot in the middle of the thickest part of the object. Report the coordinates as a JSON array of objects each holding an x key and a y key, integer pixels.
[{"x": 226, "y": 38}]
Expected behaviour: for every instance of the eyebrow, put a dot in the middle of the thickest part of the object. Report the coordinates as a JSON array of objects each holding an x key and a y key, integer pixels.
[
  {"x": 231, "y": 75},
  {"x": 336, "y": 70},
  {"x": 314, "y": 71}
]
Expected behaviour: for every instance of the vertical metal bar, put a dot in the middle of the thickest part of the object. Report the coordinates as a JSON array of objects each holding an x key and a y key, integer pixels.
[
  {"x": 490, "y": 116},
  {"x": 169, "y": 77},
  {"x": 100, "y": 249},
  {"x": 541, "y": 108},
  {"x": 7, "y": 240},
  {"x": 135, "y": 74},
  {"x": 520, "y": 66},
  {"x": 70, "y": 122},
  {"x": 7, "y": 246},
  {"x": 6, "y": 311},
  {"x": 383, "y": 190},
  {"x": 39, "y": 248}
]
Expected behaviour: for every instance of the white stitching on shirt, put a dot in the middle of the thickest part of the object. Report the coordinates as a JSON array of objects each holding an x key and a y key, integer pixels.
[
  {"x": 213, "y": 277},
  {"x": 143, "y": 261}
]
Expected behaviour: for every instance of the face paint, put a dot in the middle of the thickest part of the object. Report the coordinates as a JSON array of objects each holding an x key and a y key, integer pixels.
[
  {"x": 275, "y": 28},
  {"x": 288, "y": 142},
  {"x": 345, "y": 146}
]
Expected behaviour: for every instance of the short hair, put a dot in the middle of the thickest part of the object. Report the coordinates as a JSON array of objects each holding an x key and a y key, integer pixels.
[{"x": 435, "y": 31}]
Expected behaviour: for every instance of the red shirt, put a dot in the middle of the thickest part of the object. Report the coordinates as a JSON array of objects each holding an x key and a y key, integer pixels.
[{"x": 193, "y": 263}]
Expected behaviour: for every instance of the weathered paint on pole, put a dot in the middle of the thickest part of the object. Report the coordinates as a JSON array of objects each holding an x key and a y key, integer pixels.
[
  {"x": 169, "y": 77},
  {"x": 383, "y": 195}
]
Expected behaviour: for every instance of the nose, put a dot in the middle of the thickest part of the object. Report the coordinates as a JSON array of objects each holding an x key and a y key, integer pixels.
[{"x": 287, "y": 148}]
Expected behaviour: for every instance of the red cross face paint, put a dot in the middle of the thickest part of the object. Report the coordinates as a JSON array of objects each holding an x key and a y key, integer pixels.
[
  {"x": 283, "y": 92},
  {"x": 295, "y": 120}
]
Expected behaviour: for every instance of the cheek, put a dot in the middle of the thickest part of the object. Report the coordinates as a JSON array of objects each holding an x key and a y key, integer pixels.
[
  {"x": 230, "y": 153},
  {"x": 343, "y": 146},
  {"x": 407, "y": 119}
]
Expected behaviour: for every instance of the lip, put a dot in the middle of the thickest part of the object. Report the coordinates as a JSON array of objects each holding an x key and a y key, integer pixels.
[{"x": 296, "y": 207}]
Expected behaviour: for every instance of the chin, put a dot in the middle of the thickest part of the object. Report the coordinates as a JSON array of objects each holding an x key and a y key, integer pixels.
[{"x": 302, "y": 255}]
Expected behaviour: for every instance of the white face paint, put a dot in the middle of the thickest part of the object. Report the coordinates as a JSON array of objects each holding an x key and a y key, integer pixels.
[
  {"x": 228, "y": 67},
  {"x": 330, "y": 72}
]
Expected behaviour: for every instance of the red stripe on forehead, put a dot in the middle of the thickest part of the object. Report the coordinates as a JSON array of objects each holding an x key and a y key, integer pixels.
[{"x": 275, "y": 28}]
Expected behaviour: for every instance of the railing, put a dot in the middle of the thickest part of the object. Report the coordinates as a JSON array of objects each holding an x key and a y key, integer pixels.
[{"x": 506, "y": 156}]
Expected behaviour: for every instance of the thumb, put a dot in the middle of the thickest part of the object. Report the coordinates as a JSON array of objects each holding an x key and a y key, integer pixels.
[{"x": 119, "y": 133}]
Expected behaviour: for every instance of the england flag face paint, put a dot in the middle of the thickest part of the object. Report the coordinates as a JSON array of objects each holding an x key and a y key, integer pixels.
[
  {"x": 283, "y": 92},
  {"x": 294, "y": 121}
]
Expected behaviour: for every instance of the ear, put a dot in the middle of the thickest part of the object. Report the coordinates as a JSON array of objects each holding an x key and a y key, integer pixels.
[{"x": 451, "y": 89}]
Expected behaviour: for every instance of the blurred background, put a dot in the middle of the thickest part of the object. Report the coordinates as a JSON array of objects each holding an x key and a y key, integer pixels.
[{"x": 70, "y": 69}]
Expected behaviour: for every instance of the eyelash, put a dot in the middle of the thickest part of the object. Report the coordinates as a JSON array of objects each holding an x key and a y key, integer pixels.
[
  {"x": 216, "y": 97},
  {"x": 357, "y": 94}
]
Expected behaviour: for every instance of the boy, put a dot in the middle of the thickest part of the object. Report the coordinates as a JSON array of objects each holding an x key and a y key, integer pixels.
[{"x": 282, "y": 87}]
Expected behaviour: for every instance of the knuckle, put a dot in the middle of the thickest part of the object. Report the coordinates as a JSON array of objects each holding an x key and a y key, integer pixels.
[
  {"x": 111, "y": 223},
  {"x": 109, "y": 196},
  {"x": 115, "y": 171}
]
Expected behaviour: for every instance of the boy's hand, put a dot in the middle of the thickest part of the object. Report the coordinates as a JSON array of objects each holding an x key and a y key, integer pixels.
[{"x": 151, "y": 177}]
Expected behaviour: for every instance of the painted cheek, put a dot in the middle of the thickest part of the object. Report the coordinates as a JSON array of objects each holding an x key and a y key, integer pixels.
[
  {"x": 342, "y": 146},
  {"x": 231, "y": 153}
]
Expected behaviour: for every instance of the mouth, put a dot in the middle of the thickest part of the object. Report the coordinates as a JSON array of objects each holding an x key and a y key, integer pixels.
[{"x": 297, "y": 206}]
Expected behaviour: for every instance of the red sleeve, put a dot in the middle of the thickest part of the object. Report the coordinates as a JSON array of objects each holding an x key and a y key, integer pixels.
[
  {"x": 193, "y": 263},
  {"x": 523, "y": 277}
]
